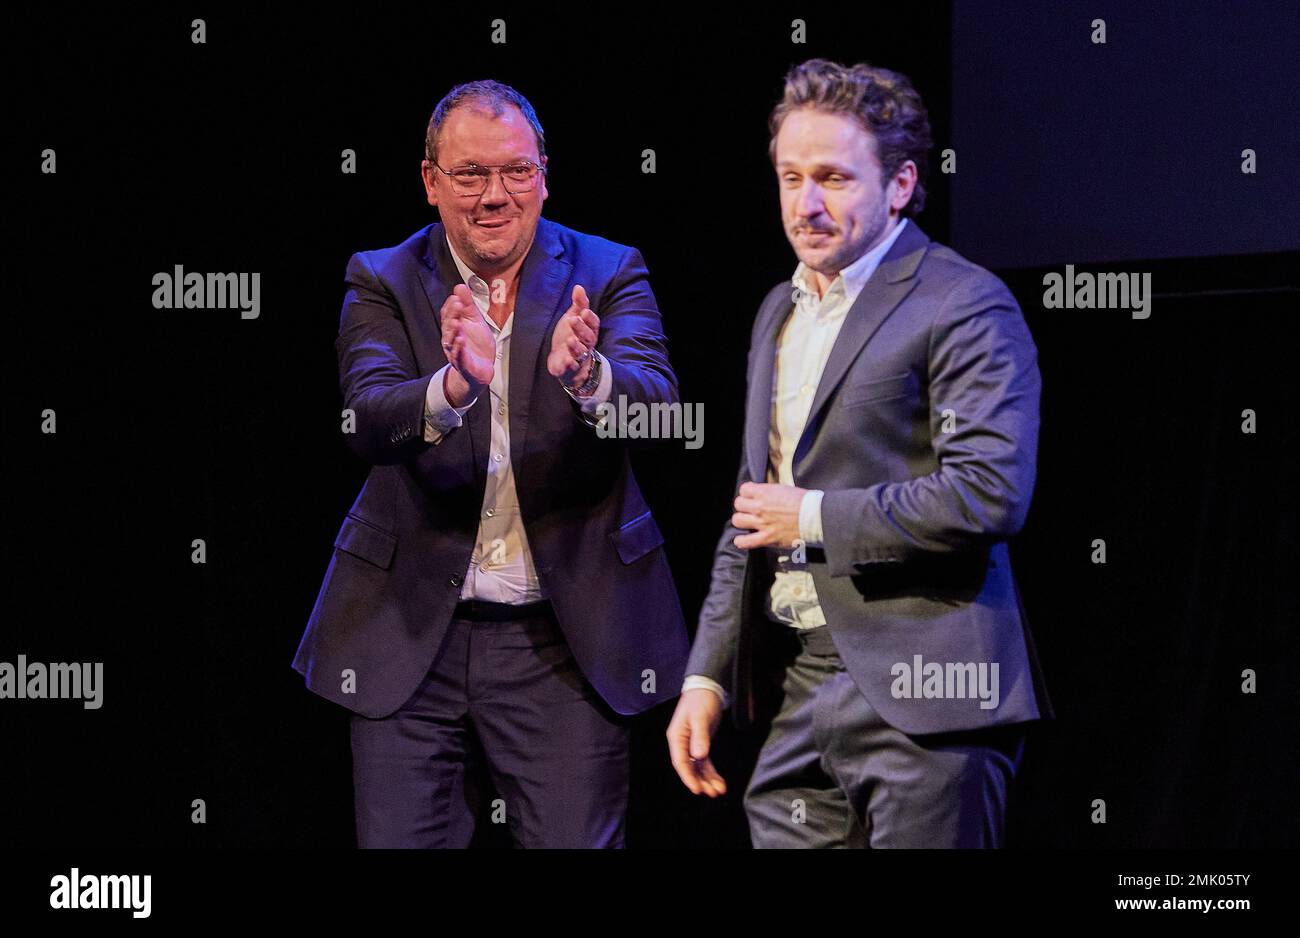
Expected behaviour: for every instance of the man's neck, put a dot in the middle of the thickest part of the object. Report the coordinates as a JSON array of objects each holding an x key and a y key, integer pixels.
[
  {"x": 823, "y": 282},
  {"x": 508, "y": 274},
  {"x": 500, "y": 300}
]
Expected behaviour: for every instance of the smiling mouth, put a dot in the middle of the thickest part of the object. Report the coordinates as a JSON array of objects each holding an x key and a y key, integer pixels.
[{"x": 493, "y": 223}]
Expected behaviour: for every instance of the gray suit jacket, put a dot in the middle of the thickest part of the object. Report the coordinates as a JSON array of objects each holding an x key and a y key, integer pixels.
[{"x": 923, "y": 433}]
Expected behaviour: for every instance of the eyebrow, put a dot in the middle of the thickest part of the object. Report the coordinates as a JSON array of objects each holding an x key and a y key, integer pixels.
[
  {"x": 513, "y": 159},
  {"x": 786, "y": 166}
]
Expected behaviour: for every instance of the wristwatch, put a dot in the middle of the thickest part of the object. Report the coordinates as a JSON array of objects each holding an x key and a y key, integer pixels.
[{"x": 593, "y": 380}]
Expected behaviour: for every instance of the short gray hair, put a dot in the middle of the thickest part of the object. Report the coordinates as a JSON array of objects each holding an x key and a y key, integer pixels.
[
  {"x": 493, "y": 95},
  {"x": 883, "y": 102}
]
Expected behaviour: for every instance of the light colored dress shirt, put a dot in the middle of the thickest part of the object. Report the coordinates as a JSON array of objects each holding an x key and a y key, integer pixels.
[
  {"x": 501, "y": 568},
  {"x": 803, "y": 347}
]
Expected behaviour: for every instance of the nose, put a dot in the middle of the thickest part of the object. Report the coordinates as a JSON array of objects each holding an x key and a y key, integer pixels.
[
  {"x": 495, "y": 192},
  {"x": 809, "y": 203}
]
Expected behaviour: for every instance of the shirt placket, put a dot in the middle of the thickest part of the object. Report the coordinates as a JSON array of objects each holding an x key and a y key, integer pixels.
[
  {"x": 821, "y": 313},
  {"x": 494, "y": 548}
]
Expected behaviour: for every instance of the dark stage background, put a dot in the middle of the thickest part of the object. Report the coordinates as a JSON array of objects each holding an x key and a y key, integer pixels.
[{"x": 179, "y": 424}]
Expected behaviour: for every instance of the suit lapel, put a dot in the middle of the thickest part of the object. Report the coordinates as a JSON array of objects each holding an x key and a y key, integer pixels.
[
  {"x": 759, "y": 404},
  {"x": 440, "y": 277},
  {"x": 539, "y": 302},
  {"x": 881, "y": 294}
]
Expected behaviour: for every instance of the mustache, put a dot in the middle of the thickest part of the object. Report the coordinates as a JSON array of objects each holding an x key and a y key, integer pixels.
[{"x": 814, "y": 229}]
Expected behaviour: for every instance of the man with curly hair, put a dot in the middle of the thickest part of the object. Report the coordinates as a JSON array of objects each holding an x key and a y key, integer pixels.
[{"x": 863, "y": 614}]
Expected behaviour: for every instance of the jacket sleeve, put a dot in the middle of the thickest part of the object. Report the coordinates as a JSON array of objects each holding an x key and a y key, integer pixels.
[
  {"x": 377, "y": 371},
  {"x": 714, "y": 647},
  {"x": 984, "y": 397},
  {"x": 632, "y": 337}
]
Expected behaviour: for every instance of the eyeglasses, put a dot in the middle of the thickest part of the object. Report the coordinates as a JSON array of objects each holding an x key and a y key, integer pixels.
[{"x": 472, "y": 179}]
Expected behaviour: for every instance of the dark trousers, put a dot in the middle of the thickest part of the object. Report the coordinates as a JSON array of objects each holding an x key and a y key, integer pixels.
[
  {"x": 832, "y": 773},
  {"x": 504, "y": 702}
]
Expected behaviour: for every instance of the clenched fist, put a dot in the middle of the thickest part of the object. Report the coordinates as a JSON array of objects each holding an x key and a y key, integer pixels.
[
  {"x": 469, "y": 345},
  {"x": 573, "y": 341}
]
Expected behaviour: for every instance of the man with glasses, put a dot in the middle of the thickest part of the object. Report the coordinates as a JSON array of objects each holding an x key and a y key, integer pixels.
[{"x": 499, "y": 601}]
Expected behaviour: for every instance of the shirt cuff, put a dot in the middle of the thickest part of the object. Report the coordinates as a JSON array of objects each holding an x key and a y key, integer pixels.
[
  {"x": 439, "y": 416},
  {"x": 810, "y": 518},
  {"x": 694, "y": 681}
]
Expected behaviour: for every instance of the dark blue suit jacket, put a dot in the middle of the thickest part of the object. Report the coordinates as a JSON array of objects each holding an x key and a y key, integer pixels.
[{"x": 403, "y": 550}]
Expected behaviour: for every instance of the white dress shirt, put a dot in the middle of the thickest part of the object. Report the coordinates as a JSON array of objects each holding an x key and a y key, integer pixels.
[
  {"x": 501, "y": 568},
  {"x": 803, "y": 347}
]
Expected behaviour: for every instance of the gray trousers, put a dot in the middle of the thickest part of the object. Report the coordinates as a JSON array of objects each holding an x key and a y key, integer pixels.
[{"x": 833, "y": 773}]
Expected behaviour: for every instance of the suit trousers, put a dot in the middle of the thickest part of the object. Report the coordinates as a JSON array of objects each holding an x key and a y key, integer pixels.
[
  {"x": 833, "y": 773},
  {"x": 505, "y": 703}
]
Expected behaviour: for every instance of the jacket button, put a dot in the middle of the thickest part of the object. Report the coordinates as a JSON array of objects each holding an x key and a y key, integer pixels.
[{"x": 455, "y": 581}]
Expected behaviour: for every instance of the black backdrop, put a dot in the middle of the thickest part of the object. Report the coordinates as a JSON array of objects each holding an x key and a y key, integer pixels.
[{"x": 181, "y": 424}]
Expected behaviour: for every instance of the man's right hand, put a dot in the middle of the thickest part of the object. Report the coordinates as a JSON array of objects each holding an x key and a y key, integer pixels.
[
  {"x": 469, "y": 346},
  {"x": 690, "y": 732}
]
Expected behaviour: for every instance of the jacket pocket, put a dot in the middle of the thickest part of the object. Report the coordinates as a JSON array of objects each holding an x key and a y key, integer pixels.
[
  {"x": 362, "y": 539},
  {"x": 864, "y": 392},
  {"x": 636, "y": 538}
]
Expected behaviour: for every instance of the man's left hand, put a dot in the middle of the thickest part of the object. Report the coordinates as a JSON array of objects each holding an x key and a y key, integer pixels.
[
  {"x": 572, "y": 343},
  {"x": 770, "y": 511}
]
